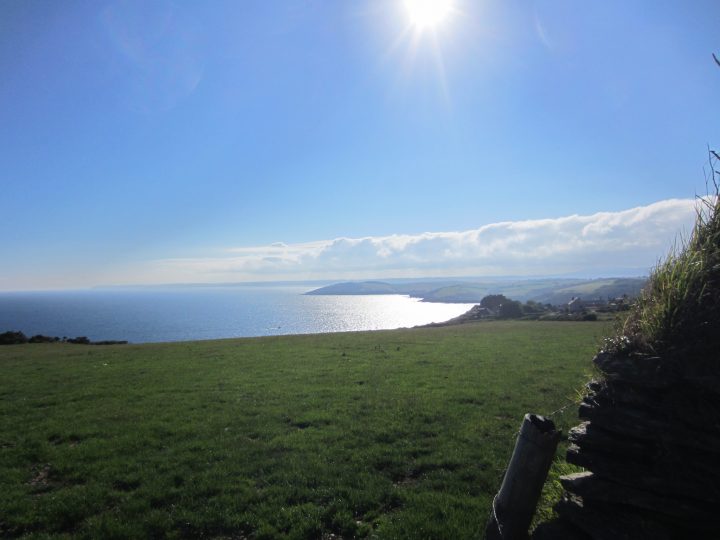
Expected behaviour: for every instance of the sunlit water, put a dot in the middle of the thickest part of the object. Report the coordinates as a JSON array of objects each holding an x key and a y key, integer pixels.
[{"x": 149, "y": 315}]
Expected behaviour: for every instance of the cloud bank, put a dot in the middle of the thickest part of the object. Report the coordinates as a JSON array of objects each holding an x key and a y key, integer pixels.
[{"x": 593, "y": 244}]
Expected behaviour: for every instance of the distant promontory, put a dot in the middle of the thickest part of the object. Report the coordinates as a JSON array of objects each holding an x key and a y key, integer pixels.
[{"x": 550, "y": 291}]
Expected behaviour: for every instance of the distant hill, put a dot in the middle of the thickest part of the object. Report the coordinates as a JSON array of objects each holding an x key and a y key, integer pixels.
[
  {"x": 437, "y": 291},
  {"x": 354, "y": 288},
  {"x": 462, "y": 293},
  {"x": 547, "y": 291},
  {"x": 597, "y": 289}
]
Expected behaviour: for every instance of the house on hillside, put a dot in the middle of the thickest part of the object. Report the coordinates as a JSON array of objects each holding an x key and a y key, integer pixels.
[
  {"x": 479, "y": 312},
  {"x": 621, "y": 303},
  {"x": 575, "y": 305},
  {"x": 595, "y": 304}
]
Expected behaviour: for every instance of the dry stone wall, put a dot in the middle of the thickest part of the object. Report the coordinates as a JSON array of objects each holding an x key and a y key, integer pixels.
[{"x": 650, "y": 446}]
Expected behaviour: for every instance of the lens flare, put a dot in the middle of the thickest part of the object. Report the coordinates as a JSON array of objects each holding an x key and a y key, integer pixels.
[{"x": 427, "y": 13}]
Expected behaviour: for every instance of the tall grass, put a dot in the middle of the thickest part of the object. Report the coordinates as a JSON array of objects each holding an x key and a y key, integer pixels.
[{"x": 676, "y": 315}]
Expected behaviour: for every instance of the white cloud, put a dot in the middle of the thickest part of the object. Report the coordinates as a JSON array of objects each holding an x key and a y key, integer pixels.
[{"x": 634, "y": 238}]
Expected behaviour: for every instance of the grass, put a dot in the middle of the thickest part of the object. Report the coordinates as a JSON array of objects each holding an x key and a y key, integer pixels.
[
  {"x": 590, "y": 287},
  {"x": 676, "y": 314},
  {"x": 393, "y": 434}
]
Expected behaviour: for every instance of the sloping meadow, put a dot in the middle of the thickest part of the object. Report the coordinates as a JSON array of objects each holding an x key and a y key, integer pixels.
[{"x": 393, "y": 434}]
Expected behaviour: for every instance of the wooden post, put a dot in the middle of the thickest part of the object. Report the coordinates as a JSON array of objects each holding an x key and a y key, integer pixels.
[{"x": 514, "y": 505}]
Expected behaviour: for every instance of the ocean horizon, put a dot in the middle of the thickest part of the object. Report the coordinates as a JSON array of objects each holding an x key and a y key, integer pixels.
[{"x": 186, "y": 313}]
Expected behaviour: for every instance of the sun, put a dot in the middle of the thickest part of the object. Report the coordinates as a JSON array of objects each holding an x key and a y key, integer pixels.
[{"x": 428, "y": 13}]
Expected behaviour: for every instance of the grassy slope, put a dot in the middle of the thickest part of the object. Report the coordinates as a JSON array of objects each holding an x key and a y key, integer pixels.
[
  {"x": 598, "y": 289},
  {"x": 457, "y": 293},
  {"x": 555, "y": 291},
  {"x": 397, "y": 434},
  {"x": 588, "y": 288}
]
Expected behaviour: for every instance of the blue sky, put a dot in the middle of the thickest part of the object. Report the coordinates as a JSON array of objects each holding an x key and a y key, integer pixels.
[{"x": 178, "y": 141}]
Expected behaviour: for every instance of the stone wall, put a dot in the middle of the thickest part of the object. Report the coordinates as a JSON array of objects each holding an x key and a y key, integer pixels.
[{"x": 650, "y": 446}]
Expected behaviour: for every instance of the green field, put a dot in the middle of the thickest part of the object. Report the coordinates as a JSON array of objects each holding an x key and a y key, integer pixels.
[{"x": 392, "y": 434}]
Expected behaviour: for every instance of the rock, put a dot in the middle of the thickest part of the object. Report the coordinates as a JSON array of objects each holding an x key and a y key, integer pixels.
[
  {"x": 667, "y": 475},
  {"x": 642, "y": 370},
  {"x": 590, "y": 436},
  {"x": 590, "y": 486},
  {"x": 610, "y": 522}
]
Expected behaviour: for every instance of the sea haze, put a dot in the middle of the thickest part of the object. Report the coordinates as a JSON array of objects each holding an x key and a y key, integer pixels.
[{"x": 189, "y": 313}]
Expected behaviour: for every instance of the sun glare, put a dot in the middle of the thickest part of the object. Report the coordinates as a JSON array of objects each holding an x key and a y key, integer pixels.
[{"x": 428, "y": 13}]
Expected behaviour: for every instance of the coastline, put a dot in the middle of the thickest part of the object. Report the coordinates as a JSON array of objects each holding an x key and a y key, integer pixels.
[{"x": 210, "y": 313}]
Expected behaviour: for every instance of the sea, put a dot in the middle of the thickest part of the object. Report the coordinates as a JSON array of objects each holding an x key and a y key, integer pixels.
[{"x": 148, "y": 314}]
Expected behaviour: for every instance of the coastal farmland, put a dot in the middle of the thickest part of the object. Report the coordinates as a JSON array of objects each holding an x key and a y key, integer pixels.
[{"x": 388, "y": 434}]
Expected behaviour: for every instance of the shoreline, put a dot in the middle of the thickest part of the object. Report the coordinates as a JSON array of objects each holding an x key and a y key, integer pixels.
[
  {"x": 108, "y": 343},
  {"x": 206, "y": 315}
]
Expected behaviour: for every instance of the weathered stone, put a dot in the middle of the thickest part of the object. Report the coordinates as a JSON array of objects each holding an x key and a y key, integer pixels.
[
  {"x": 709, "y": 383},
  {"x": 610, "y": 522},
  {"x": 589, "y": 435},
  {"x": 648, "y": 425},
  {"x": 681, "y": 403},
  {"x": 670, "y": 476},
  {"x": 592, "y": 487},
  {"x": 651, "y": 444},
  {"x": 645, "y": 371},
  {"x": 559, "y": 529}
]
